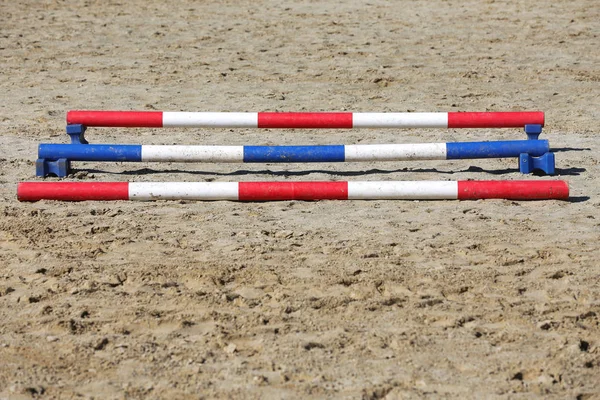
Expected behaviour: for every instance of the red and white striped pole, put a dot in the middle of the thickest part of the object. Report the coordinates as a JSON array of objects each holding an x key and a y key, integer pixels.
[
  {"x": 273, "y": 191},
  {"x": 299, "y": 120}
]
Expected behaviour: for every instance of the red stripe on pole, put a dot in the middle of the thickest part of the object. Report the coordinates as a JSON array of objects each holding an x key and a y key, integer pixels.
[
  {"x": 494, "y": 119},
  {"x": 305, "y": 120},
  {"x": 117, "y": 119},
  {"x": 270, "y": 191},
  {"x": 72, "y": 191},
  {"x": 513, "y": 190}
]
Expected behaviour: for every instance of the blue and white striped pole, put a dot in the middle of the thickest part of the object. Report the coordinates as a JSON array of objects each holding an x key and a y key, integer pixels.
[{"x": 301, "y": 154}]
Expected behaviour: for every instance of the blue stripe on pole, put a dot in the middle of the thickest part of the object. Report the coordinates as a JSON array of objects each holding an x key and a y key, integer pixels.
[
  {"x": 502, "y": 149},
  {"x": 91, "y": 152},
  {"x": 275, "y": 154}
]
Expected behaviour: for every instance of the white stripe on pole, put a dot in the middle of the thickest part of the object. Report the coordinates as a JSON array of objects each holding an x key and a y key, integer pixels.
[
  {"x": 421, "y": 190},
  {"x": 400, "y": 120},
  {"x": 230, "y": 154},
  {"x": 395, "y": 152},
  {"x": 183, "y": 191},
  {"x": 210, "y": 119}
]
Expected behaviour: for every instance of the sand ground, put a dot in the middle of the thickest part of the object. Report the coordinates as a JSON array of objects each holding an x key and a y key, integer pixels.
[{"x": 363, "y": 299}]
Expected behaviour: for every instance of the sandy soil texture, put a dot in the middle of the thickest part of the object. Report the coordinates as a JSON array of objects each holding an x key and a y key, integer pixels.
[{"x": 363, "y": 299}]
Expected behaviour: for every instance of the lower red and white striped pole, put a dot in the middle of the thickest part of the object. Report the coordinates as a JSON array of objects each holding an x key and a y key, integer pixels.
[{"x": 274, "y": 191}]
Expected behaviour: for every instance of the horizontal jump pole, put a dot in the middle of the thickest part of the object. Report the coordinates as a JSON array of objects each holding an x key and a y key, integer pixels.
[
  {"x": 274, "y": 191},
  {"x": 280, "y": 154},
  {"x": 298, "y": 120}
]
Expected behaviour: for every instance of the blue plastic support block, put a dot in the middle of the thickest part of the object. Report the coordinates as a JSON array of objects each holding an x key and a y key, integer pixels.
[
  {"x": 91, "y": 152},
  {"x": 533, "y": 131},
  {"x": 279, "y": 154},
  {"x": 60, "y": 167},
  {"x": 499, "y": 149},
  {"x": 545, "y": 163},
  {"x": 77, "y": 132}
]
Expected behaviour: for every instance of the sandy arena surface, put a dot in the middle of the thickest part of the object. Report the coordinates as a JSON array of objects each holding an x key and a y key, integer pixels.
[{"x": 357, "y": 299}]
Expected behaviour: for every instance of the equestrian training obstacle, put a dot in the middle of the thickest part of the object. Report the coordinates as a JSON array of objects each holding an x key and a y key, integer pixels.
[
  {"x": 532, "y": 153},
  {"x": 274, "y": 191},
  {"x": 304, "y": 120}
]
